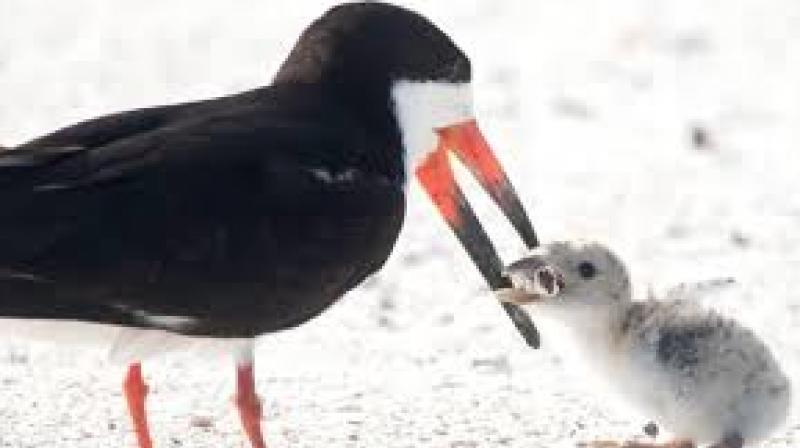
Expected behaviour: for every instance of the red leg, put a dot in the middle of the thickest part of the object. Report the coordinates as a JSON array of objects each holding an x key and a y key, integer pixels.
[
  {"x": 637, "y": 444},
  {"x": 680, "y": 443},
  {"x": 249, "y": 405},
  {"x": 731, "y": 441},
  {"x": 135, "y": 392}
]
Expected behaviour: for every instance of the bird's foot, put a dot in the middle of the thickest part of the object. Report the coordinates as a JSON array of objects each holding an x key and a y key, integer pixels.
[
  {"x": 135, "y": 393},
  {"x": 637, "y": 444},
  {"x": 599, "y": 444},
  {"x": 731, "y": 441},
  {"x": 249, "y": 405}
]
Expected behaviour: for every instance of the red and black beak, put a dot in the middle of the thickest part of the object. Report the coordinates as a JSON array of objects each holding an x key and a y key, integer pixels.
[{"x": 436, "y": 176}]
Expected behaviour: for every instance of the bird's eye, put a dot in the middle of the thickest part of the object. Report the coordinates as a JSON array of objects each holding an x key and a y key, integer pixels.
[{"x": 587, "y": 270}]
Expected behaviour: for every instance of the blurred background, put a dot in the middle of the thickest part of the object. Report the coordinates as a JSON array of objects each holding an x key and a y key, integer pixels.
[{"x": 665, "y": 128}]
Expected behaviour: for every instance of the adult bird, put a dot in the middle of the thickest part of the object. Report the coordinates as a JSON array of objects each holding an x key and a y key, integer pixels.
[{"x": 243, "y": 215}]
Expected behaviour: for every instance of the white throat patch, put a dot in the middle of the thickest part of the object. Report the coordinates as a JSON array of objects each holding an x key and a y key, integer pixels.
[{"x": 421, "y": 108}]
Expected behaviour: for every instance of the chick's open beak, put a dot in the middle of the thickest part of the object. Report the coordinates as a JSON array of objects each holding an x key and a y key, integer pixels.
[{"x": 532, "y": 280}]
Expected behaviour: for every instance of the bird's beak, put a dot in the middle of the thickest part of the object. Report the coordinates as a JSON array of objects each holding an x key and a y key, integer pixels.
[
  {"x": 468, "y": 144},
  {"x": 532, "y": 280}
]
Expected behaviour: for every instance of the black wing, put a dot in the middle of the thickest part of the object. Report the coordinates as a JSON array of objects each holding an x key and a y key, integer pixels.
[
  {"x": 37, "y": 179},
  {"x": 241, "y": 215}
]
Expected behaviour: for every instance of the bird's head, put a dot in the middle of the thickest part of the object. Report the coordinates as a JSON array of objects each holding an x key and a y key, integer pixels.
[
  {"x": 408, "y": 87},
  {"x": 404, "y": 78},
  {"x": 570, "y": 276}
]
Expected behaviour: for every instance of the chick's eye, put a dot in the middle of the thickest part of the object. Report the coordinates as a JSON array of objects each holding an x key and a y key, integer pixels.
[{"x": 587, "y": 270}]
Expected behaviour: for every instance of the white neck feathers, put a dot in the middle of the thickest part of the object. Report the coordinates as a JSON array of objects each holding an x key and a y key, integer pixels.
[{"x": 422, "y": 107}]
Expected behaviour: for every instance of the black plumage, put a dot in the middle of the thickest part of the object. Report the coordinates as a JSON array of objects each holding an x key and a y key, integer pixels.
[
  {"x": 251, "y": 213},
  {"x": 213, "y": 210},
  {"x": 248, "y": 213}
]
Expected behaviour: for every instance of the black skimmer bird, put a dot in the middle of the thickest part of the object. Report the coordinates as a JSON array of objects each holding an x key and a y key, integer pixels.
[
  {"x": 238, "y": 216},
  {"x": 704, "y": 377}
]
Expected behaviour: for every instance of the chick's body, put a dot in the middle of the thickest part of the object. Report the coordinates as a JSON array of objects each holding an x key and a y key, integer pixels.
[{"x": 700, "y": 375}]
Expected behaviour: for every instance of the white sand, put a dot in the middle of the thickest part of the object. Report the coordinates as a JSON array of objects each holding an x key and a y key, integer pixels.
[{"x": 589, "y": 104}]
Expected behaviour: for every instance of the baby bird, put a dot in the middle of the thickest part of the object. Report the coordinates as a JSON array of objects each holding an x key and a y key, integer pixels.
[{"x": 703, "y": 377}]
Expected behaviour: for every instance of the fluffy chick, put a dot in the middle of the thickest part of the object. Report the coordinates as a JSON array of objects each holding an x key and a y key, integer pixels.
[{"x": 700, "y": 375}]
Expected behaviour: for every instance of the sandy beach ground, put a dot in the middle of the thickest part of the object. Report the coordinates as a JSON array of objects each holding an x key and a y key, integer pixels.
[{"x": 666, "y": 128}]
